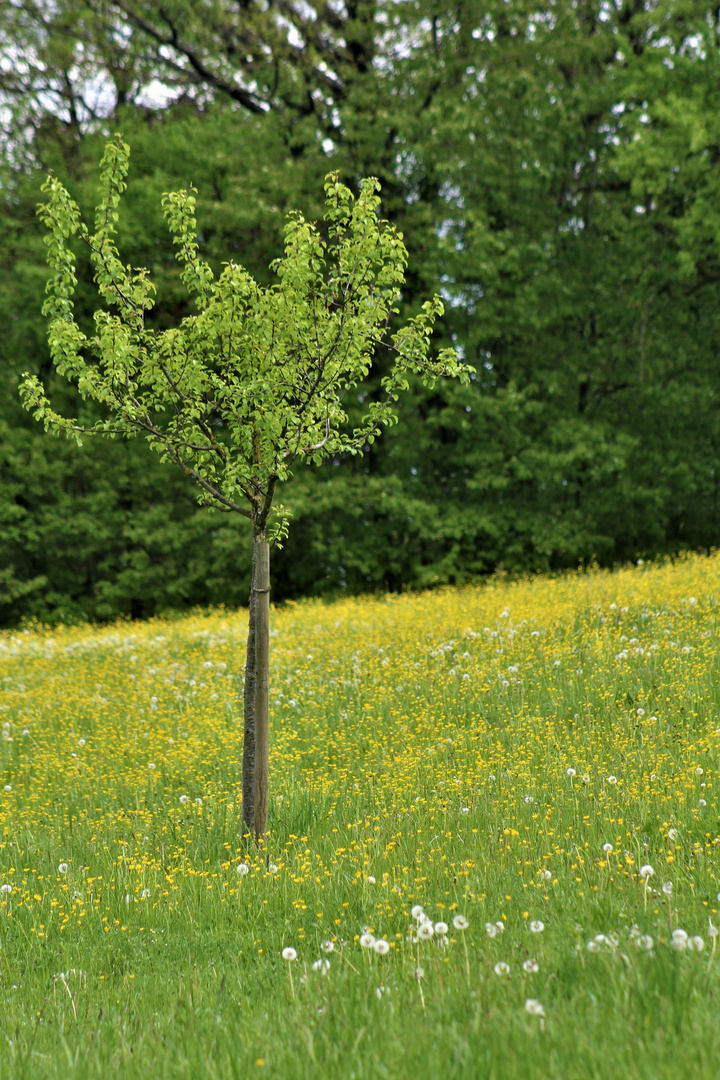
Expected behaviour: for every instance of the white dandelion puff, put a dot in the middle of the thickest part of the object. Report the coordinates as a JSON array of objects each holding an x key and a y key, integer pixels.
[
  {"x": 289, "y": 953},
  {"x": 679, "y": 939}
]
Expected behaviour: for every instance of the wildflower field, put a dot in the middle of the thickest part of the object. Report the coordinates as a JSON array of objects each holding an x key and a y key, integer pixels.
[{"x": 494, "y": 845}]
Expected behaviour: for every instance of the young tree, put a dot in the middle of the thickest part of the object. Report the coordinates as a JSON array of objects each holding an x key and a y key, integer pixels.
[{"x": 251, "y": 384}]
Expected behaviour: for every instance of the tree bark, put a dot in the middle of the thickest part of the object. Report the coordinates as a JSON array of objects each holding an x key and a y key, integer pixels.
[
  {"x": 261, "y": 589},
  {"x": 248, "y": 766},
  {"x": 256, "y": 697}
]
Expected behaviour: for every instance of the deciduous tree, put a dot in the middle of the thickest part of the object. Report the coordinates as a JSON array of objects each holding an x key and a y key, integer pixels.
[{"x": 252, "y": 384}]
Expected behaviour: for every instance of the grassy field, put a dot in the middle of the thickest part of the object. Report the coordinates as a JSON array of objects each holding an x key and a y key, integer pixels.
[{"x": 494, "y": 842}]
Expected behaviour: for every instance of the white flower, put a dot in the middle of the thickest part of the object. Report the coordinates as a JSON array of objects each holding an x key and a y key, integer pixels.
[
  {"x": 183, "y": 799},
  {"x": 501, "y": 968},
  {"x": 198, "y": 801},
  {"x": 530, "y": 966},
  {"x": 425, "y": 931},
  {"x": 501, "y": 926},
  {"x": 81, "y": 742},
  {"x": 327, "y": 946},
  {"x": 272, "y": 868},
  {"x": 534, "y": 1007},
  {"x": 243, "y": 869},
  {"x": 381, "y": 947},
  {"x": 8, "y": 788},
  {"x": 608, "y": 848},
  {"x": 592, "y": 946},
  {"x": 537, "y": 926},
  {"x": 441, "y": 928},
  {"x": 491, "y": 929},
  {"x": 289, "y": 953},
  {"x": 644, "y": 942},
  {"x": 701, "y": 802},
  {"x": 460, "y": 922},
  {"x": 464, "y": 809},
  {"x": 371, "y": 879},
  {"x": 151, "y": 765},
  {"x": 380, "y": 991},
  {"x": 367, "y": 941},
  {"x": 417, "y": 912},
  {"x": 612, "y": 779},
  {"x": 696, "y": 944},
  {"x": 6, "y": 889},
  {"x": 639, "y": 712},
  {"x": 546, "y": 875},
  {"x": 145, "y": 894},
  {"x": 646, "y": 872},
  {"x": 586, "y": 779},
  {"x": 322, "y": 965},
  {"x": 679, "y": 939},
  {"x": 571, "y": 773},
  {"x": 529, "y": 799},
  {"x": 672, "y": 834},
  {"x": 419, "y": 973},
  {"x": 667, "y": 888},
  {"x": 698, "y": 771},
  {"x": 63, "y": 868}
]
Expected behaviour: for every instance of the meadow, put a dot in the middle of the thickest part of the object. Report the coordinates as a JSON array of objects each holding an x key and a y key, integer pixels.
[{"x": 494, "y": 845}]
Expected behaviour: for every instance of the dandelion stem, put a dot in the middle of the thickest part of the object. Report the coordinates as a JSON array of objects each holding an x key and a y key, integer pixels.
[
  {"x": 467, "y": 960},
  {"x": 712, "y": 954}
]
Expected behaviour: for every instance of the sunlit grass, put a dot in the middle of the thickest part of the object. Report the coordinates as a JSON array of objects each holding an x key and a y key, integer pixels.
[{"x": 513, "y": 755}]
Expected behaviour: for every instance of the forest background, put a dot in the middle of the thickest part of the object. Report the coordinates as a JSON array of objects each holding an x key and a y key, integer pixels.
[{"x": 555, "y": 170}]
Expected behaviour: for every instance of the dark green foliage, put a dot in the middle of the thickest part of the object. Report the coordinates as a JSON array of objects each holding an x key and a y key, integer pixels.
[{"x": 561, "y": 188}]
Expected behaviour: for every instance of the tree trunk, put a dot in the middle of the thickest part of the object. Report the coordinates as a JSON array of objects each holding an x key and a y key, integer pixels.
[
  {"x": 248, "y": 767},
  {"x": 257, "y": 712}
]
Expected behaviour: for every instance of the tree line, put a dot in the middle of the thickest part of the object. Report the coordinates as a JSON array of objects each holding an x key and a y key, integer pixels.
[{"x": 554, "y": 171}]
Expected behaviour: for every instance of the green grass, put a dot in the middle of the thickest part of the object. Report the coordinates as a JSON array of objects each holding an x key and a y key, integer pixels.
[{"x": 149, "y": 955}]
